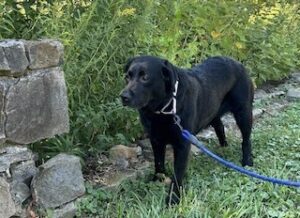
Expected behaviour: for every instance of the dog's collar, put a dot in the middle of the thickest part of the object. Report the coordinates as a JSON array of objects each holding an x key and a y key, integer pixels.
[{"x": 172, "y": 100}]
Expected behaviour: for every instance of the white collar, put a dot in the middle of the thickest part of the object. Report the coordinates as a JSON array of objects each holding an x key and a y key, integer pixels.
[{"x": 173, "y": 99}]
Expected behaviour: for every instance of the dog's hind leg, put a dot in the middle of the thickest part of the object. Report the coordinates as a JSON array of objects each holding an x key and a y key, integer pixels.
[
  {"x": 243, "y": 119},
  {"x": 219, "y": 129}
]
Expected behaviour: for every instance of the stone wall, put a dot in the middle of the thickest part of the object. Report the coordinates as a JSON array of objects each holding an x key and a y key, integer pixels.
[
  {"x": 33, "y": 97},
  {"x": 33, "y": 106}
]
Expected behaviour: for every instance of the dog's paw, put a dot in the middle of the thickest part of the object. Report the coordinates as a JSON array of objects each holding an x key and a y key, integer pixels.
[
  {"x": 224, "y": 144},
  {"x": 247, "y": 162},
  {"x": 161, "y": 177}
]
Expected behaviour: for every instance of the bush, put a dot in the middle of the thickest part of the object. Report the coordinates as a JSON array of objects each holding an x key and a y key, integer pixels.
[{"x": 99, "y": 36}]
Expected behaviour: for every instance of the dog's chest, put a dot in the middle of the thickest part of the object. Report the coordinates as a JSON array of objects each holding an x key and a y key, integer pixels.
[{"x": 165, "y": 129}]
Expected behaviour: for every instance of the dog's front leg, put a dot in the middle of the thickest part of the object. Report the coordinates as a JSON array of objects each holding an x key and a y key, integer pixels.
[
  {"x": 181, "y": 153},
  {"x": 159, "y": 150}
]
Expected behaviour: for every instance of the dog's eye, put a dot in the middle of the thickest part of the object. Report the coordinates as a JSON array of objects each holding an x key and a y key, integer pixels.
[
  {"x": 128, "y": 76},
  {"x": 144, "y": 76}
]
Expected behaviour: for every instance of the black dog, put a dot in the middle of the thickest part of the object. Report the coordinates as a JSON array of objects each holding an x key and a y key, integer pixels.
[{"x": 205, "y": 92}]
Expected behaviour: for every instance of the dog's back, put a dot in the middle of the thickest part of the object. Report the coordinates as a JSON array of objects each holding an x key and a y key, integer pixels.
[{"x": 218, "y": 85}]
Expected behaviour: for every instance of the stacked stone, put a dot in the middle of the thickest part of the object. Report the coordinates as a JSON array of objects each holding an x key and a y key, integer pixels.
[
  {"x": 17, "y": 169},
  {"x": 33, "y": 97},
  {"x": 33, "y": 106}
]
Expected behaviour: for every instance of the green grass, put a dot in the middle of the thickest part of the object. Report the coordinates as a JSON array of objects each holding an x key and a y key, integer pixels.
[{"x": 215, "y": 191}]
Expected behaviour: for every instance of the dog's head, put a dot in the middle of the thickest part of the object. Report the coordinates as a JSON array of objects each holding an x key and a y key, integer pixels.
[{"x": 149, "y": 81}]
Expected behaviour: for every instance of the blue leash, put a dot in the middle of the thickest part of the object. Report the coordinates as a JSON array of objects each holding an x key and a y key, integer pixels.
[{"x": 187, "y": 135}]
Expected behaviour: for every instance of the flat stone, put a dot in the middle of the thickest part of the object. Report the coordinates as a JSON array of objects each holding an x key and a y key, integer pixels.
[
  {"x": 4, "y": 67},
  {"x": 296, "y": 77},
  {"x": 112, "y": 180},
  {"x": 66, "y": 211},
  {"x": 7, "y": 205},
  {"x": 146, "y": 146},
  {"x": 257, "y": 112},
  {"x": 20, "y": 191},
  {"x": 207, "y": 134},
  {"x": 260, "y": 94},
  {"x": 13, "y": 60},
  {"x": 37, "y": 107},
  {"x": 13, "y": 154},
  {"x": 4, "y": 85},
  {"x": 276, "y": 94},
  {"x": 122, "y": 151},
  {"x": 293, "y": 94},
  {"x": 195, "y": 151},
  {"x": 24, "y": 171},
  {"x": 44, "y": 53},
  {"x": 58, "y": 181}
]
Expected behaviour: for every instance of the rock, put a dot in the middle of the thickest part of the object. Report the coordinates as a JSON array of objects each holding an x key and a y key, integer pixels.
[
  {"x": 122, "y": 151},
  {"x": 4, "y": 67},
  {"x": 7, "y": 205},
  {"x": 58, "y": 181},
  {"x": 227, "y": 120},
  {"x": 33, "y": 98},
  {"x": 207, "y": 134},
  {"x": 294, "y": 76},
  {"x": 20, "y": 191},
  {"x": 44, "y": 53},
  {"x": 13, "y": 154},
  {"x": 146, "y": 146},
  {"x": 260, "y": 94},
  {"x": 113, "y": 179},
  {"x": 257, "y": 112},
  {"x": 13, "y": 60},
  {"x": 293, "y": 94},
  {"x": 14, "y": 162},
  {"x": 66, "y": 211},
  {"x": 276, "y": 94},
  {"x": 195, "y": 151},
  {"x": 24, "y": 172},
  {"x": 36, "y": 107},
  {"x": 121, "y": 163},
  {"x": 4, "y": 85},
  {"x": 169, "y": 153},
  {"x": 122, "y": 155}
]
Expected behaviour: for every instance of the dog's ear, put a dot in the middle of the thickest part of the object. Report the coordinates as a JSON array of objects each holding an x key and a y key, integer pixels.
[
  {"x": 169, "y": 75},
  {"x": 128, "y": 63}
]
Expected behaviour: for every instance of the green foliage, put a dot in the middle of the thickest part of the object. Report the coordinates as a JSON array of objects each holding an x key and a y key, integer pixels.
[
  {"x": 215, "y": 191},
  {"x": 99, "y": 36}
]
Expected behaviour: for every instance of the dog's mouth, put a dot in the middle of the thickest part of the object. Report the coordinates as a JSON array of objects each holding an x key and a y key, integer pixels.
[
  {"x": 135, "y": 103},
  {"x": 135, "y": 100}
]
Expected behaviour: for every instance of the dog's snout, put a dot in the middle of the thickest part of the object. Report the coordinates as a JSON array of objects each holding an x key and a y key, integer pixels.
[{"x": 125, "y": 96}]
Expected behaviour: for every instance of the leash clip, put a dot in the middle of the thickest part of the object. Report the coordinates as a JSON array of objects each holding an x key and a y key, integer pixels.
[{"x": 177, "y": 121}]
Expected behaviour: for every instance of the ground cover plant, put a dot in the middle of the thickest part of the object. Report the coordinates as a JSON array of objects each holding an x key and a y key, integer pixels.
[{"x": 215, "y": 191}]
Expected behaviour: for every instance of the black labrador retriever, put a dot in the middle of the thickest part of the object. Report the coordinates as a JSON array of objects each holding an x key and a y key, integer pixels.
[{"x": 168, "y": 98}]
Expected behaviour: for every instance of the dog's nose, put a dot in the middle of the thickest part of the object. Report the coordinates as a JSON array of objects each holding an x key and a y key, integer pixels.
[{"x": 125, "y": 96}]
